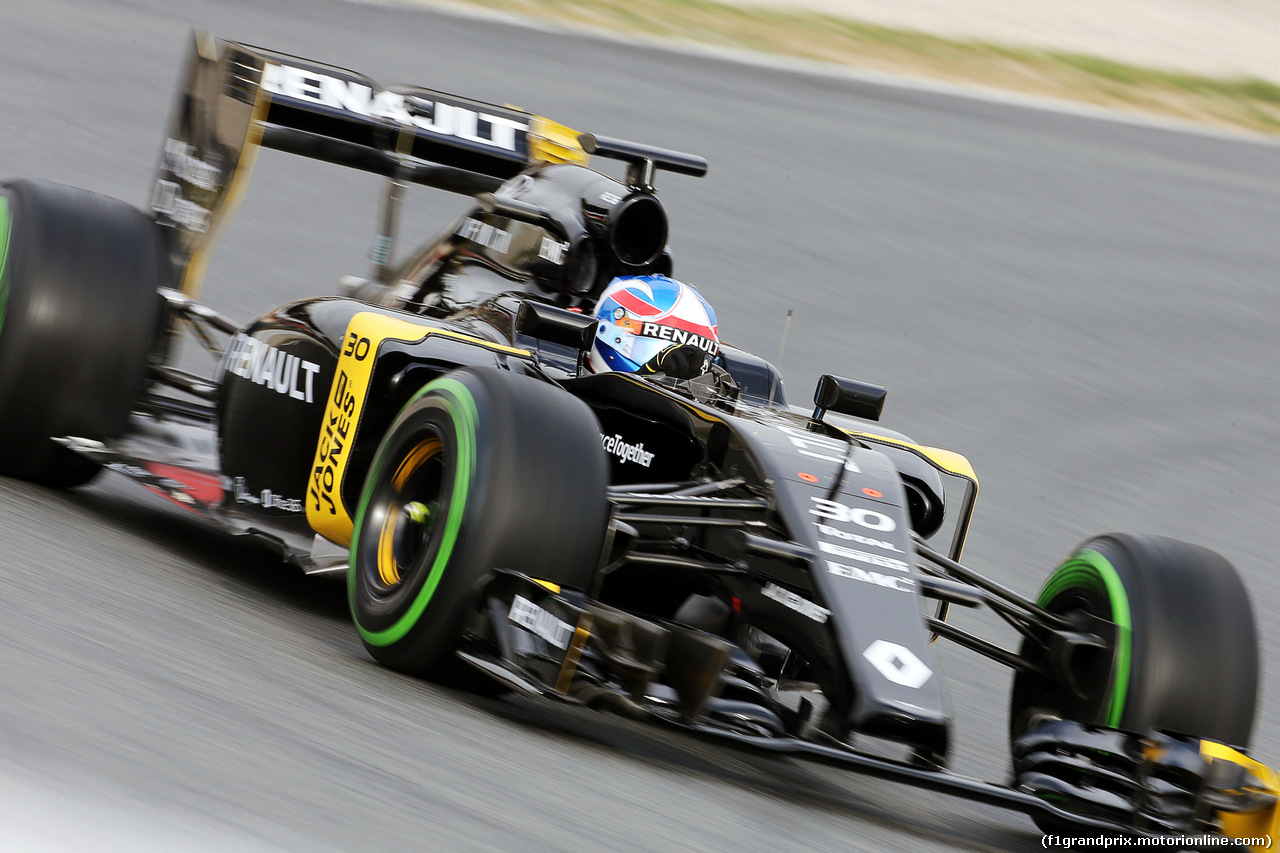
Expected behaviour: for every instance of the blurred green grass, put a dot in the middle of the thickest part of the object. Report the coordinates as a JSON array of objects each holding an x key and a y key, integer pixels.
[{"x": 1249, "y": 104}]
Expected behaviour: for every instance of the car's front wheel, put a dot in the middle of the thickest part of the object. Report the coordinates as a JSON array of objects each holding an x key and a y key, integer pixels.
[
  {"x": 1180, "y": 656},
  {"x": 1185, "y": 653}
]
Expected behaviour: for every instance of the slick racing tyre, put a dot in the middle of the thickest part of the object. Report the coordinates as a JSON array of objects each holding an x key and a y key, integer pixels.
[
  {"x": 482, "y": 469},
  {"x": 79, "y": 313},
  {"x": 1185, "y": 654}
]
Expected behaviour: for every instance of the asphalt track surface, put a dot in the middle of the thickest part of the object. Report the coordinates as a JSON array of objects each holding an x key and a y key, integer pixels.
[{"x": 1086, "y": 308}]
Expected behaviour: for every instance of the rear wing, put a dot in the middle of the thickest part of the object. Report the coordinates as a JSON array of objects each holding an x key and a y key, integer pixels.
[{"x": 234, "y": 98}]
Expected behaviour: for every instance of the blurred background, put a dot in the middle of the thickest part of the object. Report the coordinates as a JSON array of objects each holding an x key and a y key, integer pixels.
[{"x": 1058, "y": 254}]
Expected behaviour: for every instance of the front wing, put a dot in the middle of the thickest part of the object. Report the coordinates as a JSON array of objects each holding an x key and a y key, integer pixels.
[{"x": 554, "y": 643}]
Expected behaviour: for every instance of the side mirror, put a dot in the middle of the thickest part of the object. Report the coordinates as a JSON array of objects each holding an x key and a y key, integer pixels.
[
  {"x": 350, "y": 285},
  {"x": 556, "y": 325},
  {"x": 848, "y": 397}
]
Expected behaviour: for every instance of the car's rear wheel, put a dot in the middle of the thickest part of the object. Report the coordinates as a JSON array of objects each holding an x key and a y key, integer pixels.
[
  {"x": 482, "y": 469},
  {"x": 79, "y": 314}
]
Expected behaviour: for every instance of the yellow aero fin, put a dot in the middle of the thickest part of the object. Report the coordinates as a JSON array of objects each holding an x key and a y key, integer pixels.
[
  {"x": 1260, "y": 826},
  {"x": 367, "y": 331},
  {"x": 326, "y": 512},
  {"x": 947, "y": 460},
  {"x": 552, "y": 142}
]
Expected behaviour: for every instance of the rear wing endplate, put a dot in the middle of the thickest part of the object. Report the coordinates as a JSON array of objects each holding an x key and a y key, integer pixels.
[{"x": 234, "y": 98}]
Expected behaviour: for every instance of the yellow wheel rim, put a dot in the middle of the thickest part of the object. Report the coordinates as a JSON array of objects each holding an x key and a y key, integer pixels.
[{"x": 388, "y": 565}]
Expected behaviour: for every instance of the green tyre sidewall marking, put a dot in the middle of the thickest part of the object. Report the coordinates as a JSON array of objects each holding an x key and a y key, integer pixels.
[
  {"x": 1087, "y": 569},
  {"x": 461, "y": 405},
  {"x": 6, "y": 227}
]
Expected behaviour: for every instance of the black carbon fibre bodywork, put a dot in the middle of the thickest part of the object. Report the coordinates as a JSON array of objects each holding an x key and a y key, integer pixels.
[{"x": 815, "y": 481}]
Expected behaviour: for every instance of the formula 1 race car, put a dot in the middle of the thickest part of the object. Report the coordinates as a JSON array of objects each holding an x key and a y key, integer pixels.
[{"x": 678, "y": 546}]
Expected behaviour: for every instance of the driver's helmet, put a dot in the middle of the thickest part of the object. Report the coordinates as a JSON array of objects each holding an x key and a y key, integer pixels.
[{"x": 653, "y": 324}]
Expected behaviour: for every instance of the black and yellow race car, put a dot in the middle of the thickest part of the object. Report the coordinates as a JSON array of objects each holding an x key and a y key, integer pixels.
[{"x": 682, "y": 547}]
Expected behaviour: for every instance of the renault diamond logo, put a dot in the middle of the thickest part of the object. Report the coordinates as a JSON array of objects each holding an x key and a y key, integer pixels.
[{"x": 897, "y": 664}]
